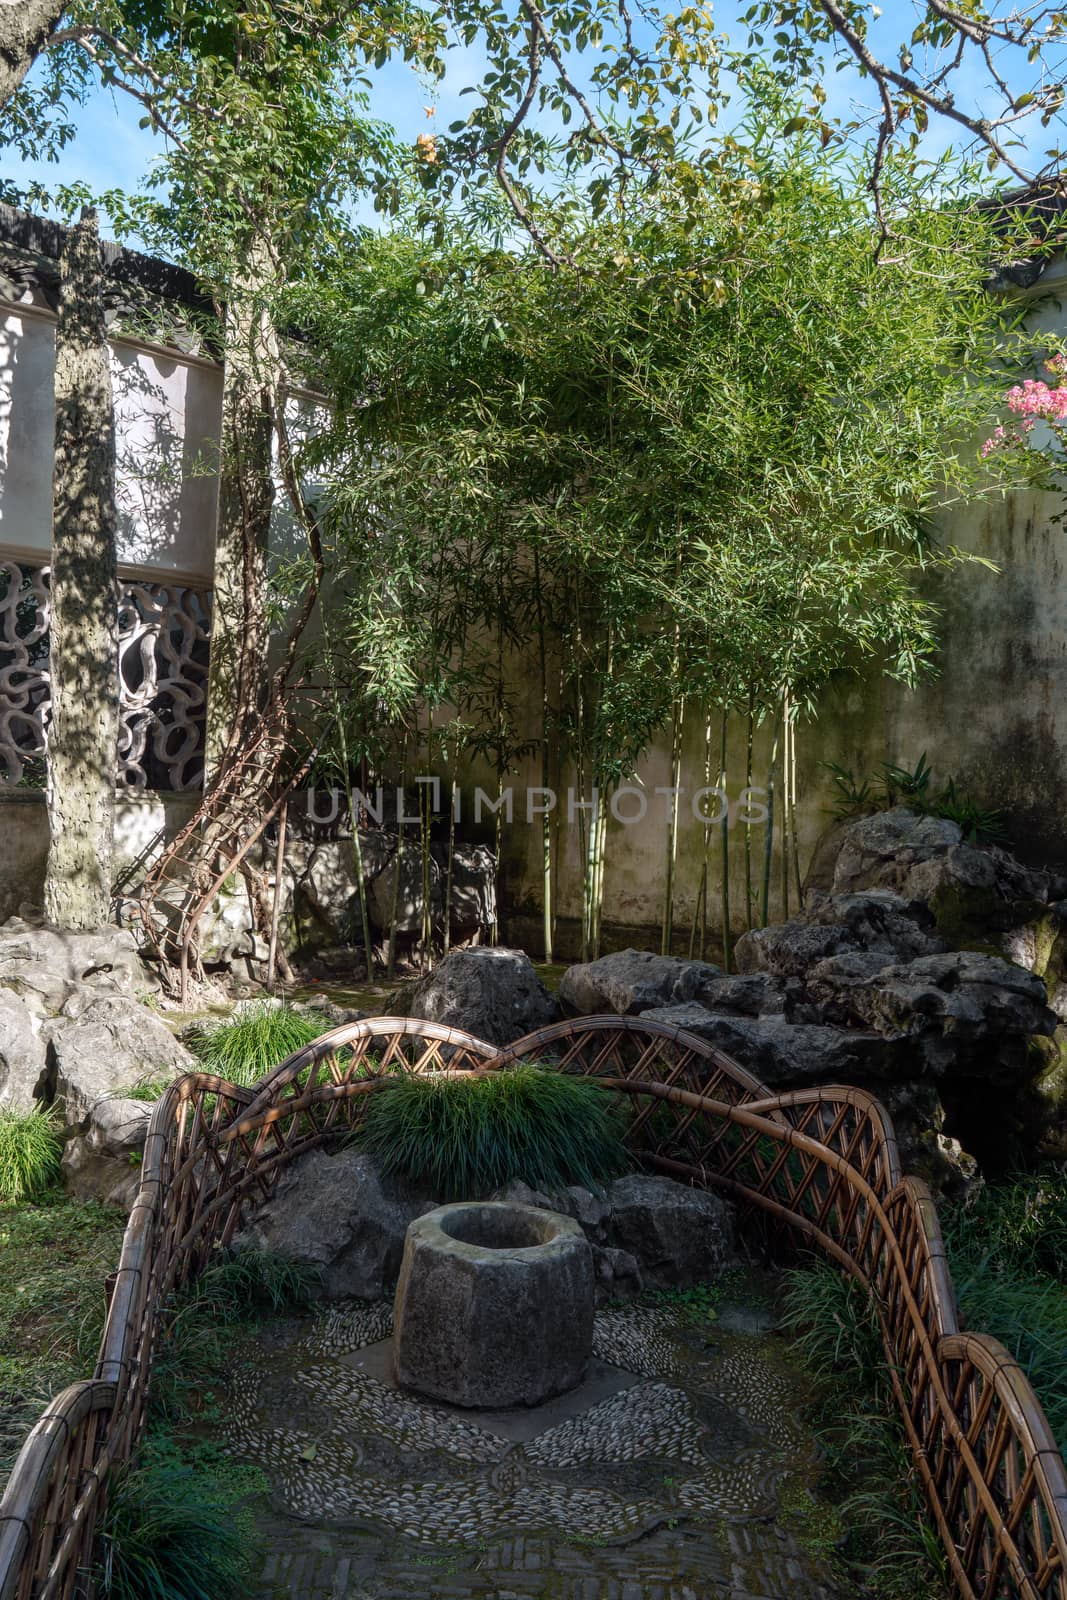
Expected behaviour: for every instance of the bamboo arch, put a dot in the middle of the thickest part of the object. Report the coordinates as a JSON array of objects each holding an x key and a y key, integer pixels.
[{"x": 823, "y": 1162}]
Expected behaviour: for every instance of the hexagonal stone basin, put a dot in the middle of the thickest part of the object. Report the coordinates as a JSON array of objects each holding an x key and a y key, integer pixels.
[{"x": 494, "y": 1305}]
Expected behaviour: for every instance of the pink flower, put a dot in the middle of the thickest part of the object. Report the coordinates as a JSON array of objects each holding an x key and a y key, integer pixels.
[
  {"x": 1035, "y": 399},
  {"x": 996, "y": 438}
]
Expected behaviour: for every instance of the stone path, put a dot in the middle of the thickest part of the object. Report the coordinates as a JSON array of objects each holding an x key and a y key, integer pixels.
[{"x": 671, "y": 1488}]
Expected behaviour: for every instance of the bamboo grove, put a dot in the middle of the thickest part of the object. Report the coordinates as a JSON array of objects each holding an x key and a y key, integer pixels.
[{"x": 689, "y": 481}]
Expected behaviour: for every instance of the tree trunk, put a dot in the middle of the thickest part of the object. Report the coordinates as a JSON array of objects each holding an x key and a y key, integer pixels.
[
  {"x": 239, "y": 631},
  {"x": 25, "y": 30},
  {"x": 83, "y": 648}
]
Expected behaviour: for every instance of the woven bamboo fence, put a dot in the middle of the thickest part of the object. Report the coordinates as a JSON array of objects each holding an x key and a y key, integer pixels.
[{"x": 822, "y": 1162}]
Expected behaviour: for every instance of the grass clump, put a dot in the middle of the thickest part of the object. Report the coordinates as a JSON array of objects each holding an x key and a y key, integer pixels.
[
  {"x": 887, "y": 1543},
  {"x": 465, "y": 1134},
  {"x": 1007, "y": 1245},
  {"x": 54, "y": 1258},
  {"x": 242, "y": 1049},
  {"x": 30, "y": 1152},
  {"x": 169, "y": 1533}
]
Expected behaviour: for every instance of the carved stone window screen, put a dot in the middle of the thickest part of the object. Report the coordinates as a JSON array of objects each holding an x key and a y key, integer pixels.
[{"x": 162, "y": 666}]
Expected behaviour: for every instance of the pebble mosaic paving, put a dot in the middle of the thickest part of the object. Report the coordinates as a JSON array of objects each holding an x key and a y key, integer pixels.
[{"x": 666, "y": 1490}]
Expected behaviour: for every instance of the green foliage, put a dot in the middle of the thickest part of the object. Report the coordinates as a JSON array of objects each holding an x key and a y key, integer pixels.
[
  {"x": 30, "y": 1152},
  {"x": 904, "y": 785},
  {"x": 149, "y": 1090},
  {"x": 894, "y": 785},
  {"x": 169, "y": 1534},
  {"x": 979, "y": 824},
  {"x": 466, "y": 1134},
  {"x": 239, "y": 1288},
  {"x": 243, "y": 1285},
  {"x": 243, "y": 1048},
  {"x": 1007, "y": 1244},
  {"x": 887, "y": 1543},
  {"x": 54, "y": 1257}
]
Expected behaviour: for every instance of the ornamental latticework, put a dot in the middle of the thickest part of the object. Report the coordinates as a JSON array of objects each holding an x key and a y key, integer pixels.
[{"x": 162, "y": 671}]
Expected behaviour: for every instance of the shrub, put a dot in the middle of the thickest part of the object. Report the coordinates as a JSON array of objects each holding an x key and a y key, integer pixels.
[
  {"x": 1007, "y": 1244},
  {"x": 30, "y": 1152},
  {"x": 169, "y": 1534},
  {"x": 240, "y": 1287},
  {"x": 244, "y": 1048},
  {"x": 465, "y": 1134},
  {"x": 889, "y": 1539}
]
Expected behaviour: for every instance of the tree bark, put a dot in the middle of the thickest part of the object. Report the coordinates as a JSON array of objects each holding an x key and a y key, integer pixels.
[
  {"x": 25, "y": 30},
  {"x": 83, "y": 642},
  {"x": 239, "y": 631}
]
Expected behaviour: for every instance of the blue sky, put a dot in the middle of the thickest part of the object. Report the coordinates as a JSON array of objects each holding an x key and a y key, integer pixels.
[{"x": 111, "y": 151}]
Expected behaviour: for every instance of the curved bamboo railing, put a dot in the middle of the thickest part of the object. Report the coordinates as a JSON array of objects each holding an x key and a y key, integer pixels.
[{"x": 823, "y": 1162}]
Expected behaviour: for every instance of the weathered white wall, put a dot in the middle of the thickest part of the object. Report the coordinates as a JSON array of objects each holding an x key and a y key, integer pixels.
[
  {"x": 167, "y": 417},
  {"x": 24, "y": 828},
  {"x": 27, "y": 429}
]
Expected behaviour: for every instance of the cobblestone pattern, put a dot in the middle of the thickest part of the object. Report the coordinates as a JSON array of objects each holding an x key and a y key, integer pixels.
[{"x": 666, "y": 1491}]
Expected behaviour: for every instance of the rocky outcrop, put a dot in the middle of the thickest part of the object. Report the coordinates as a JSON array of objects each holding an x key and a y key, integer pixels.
[
  {"x": 45, "y": 967},
  {"x": 970, "y": 890},
  {"x": 104, "y": 1162},
  {"x": 338, "y": 1214},
  {"x": 100, "y": 1045},
  {"x": 632, "y": 981},
  {"x": 864, "y": 988},
  {"x": 647, "y": 1232},
  {"x": 23, "y": 1060},
  {"x": 489, "y": 991}
]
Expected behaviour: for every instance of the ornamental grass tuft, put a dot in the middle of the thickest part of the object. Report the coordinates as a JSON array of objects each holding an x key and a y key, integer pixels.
[
  {"x": 242, "y": 1049},
  {"x": 465, "y": 1134},
  {"x": 30, "y": 1152},
  {"x": 169, "y": 1534}
]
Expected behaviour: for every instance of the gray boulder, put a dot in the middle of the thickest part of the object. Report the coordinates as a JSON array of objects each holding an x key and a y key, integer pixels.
[
  {"x": 677, "y": 1235},
  {"x": 785, "y": 1054},
  {"x": 879, "y": 851},
  {"x": 103, "y": 1044},
  {"x": 104, "y": 1162},
  {"x": 961, "y": 993},
  {"x": 338, "y": 1214},
  {"x": 472, "y": 898},
  {"x": 46, "y": 966},
  {"x": 875, "y": 921},
  {"x": 489, "y": 991},
  {"x": 630, "y": 982},
  {"x": 23, "y": 1060},
  {"x": 646, "y": 1231},
  {"x": 969, "y": 889}
]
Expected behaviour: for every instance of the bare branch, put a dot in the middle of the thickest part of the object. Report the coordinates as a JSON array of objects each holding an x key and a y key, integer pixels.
[{"x": 515, "y": 200}]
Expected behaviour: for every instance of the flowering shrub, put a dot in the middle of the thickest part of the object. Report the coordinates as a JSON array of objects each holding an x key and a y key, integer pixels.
[{"x": 1030, "y": 401}]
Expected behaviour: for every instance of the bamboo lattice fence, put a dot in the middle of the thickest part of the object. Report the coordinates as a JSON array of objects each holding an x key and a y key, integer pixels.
[{"x": 822, "y": 1162}]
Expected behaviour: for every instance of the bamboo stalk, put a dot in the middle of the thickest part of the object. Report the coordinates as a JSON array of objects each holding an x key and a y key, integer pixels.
[
  {"x": 748, "y": 813},
  {"x": 768, "y": 844},
  {"x": 793, "y": 809},
  {"x": 783, "y": 849},
  {"x": 447, "y": 939},
  {"x": 667, "y": 930},
  {"x": 394, "y": 909},
  {"x": 546, "y": 824},
  {"x": 426, "y": 918},
  {"x": 724, "y": 834},
  {"x": 700, "y": 909}
]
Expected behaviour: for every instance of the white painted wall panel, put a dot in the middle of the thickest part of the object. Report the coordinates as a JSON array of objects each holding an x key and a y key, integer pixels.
[{"x": 27, "y": 425}]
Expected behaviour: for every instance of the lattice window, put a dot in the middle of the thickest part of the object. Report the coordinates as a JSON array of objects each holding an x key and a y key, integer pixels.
[
  {"x": 163, "y": 664},
  {"x": 24, "y": 688}
]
